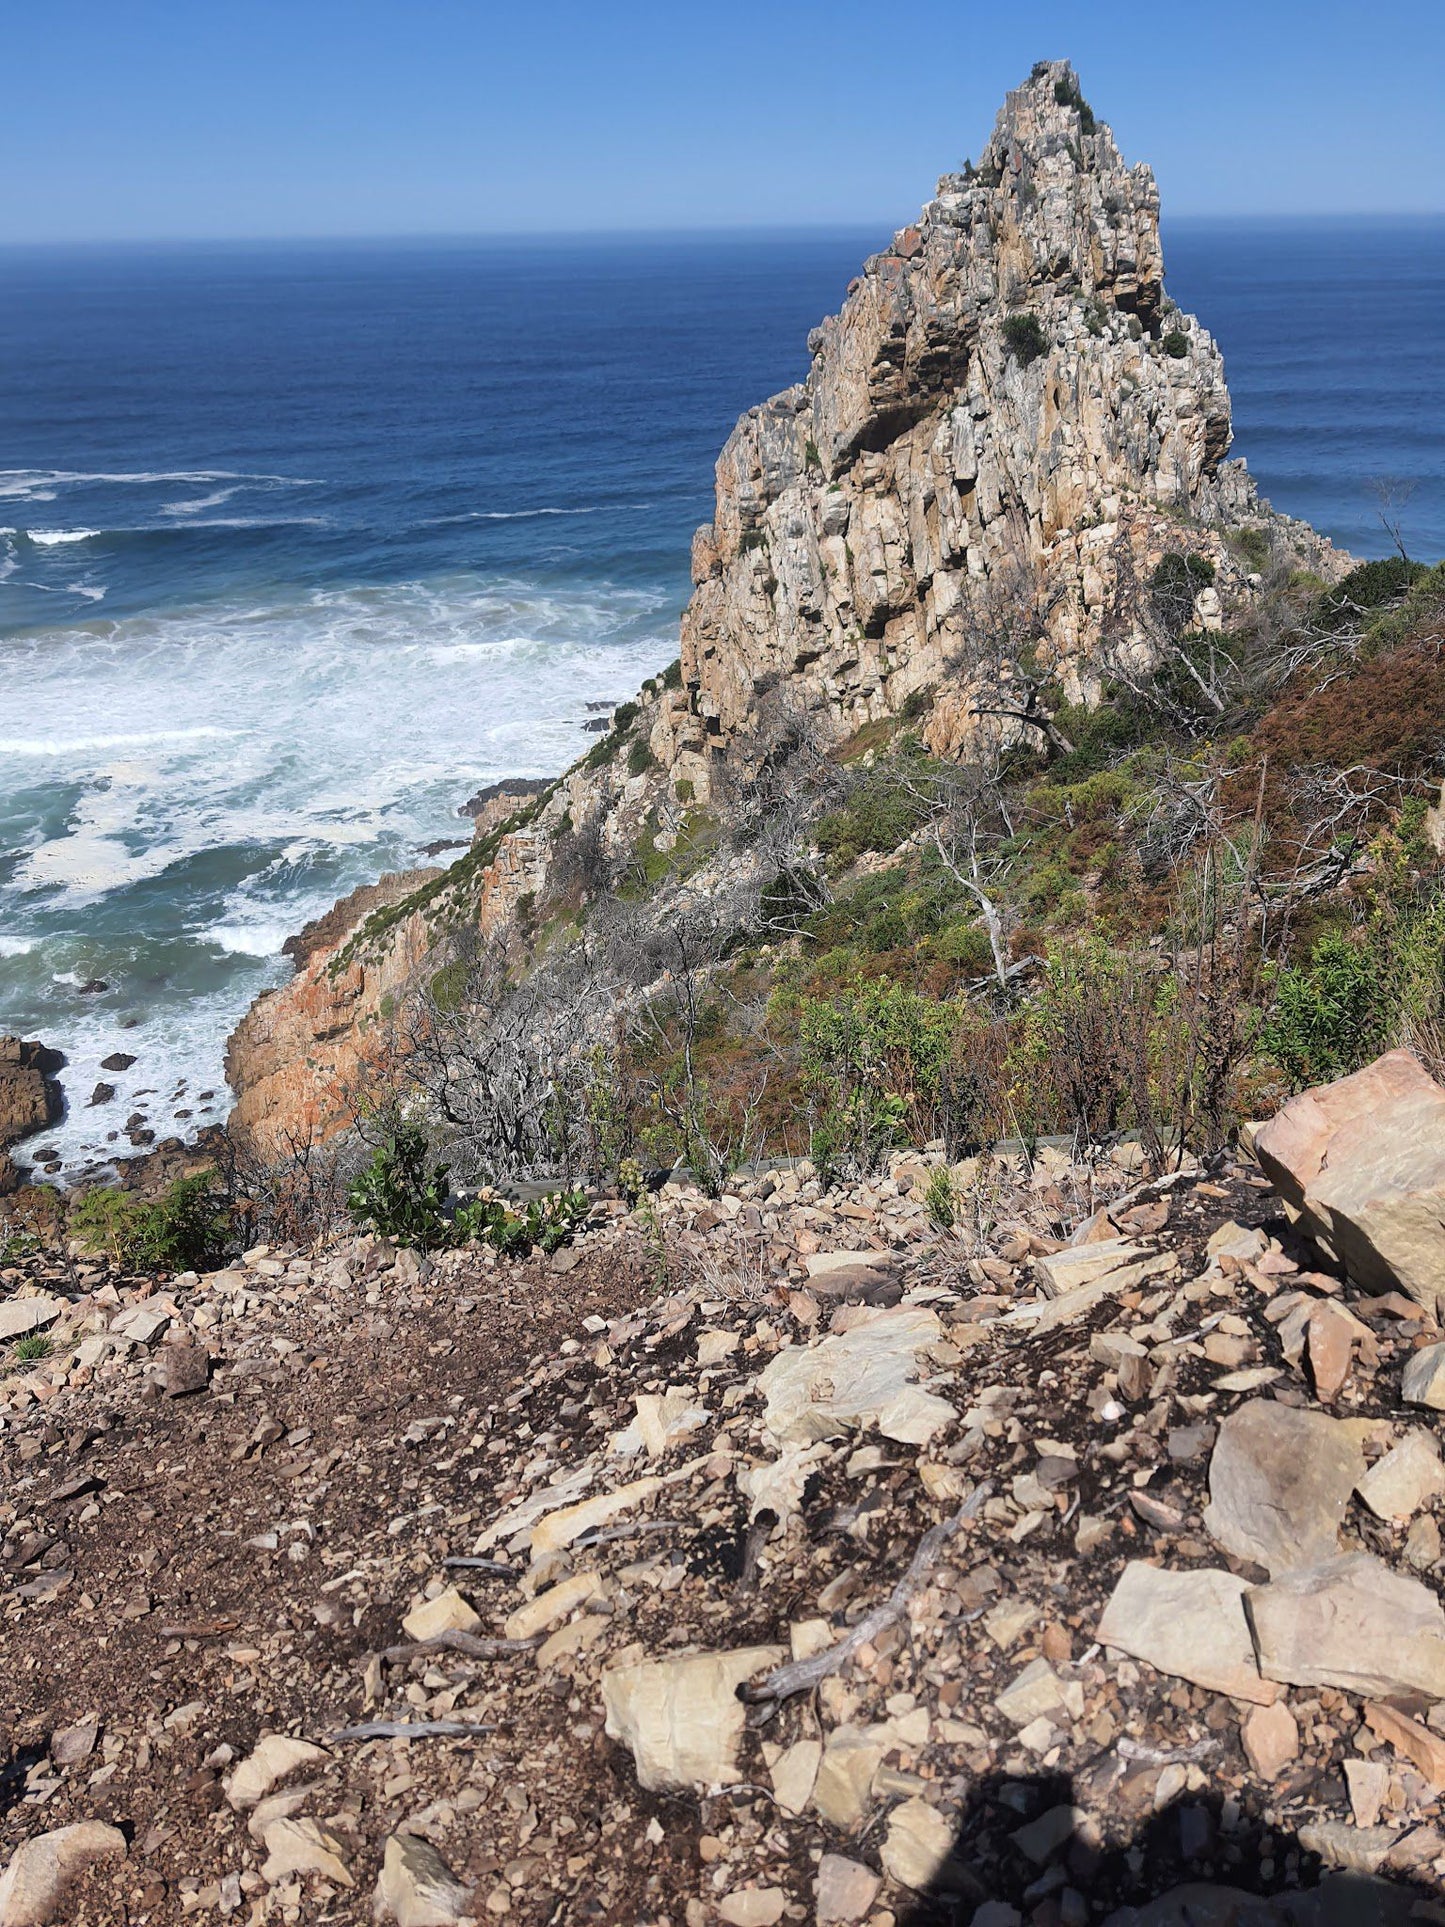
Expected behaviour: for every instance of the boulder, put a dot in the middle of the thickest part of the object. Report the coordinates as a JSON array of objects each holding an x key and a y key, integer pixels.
[
  {"x": 1189, "y": 1624},
  {"x": 1360, "y": 1163},
  {"x": 30, "y": 1098},
  {"x": 449, "y": 1612},
  {"x": 1280, "y": 1482},
  {"x": 1353, "y": 1623},
  {"x": 19, "y": 1317},
  {"x": 34, "y": 1885},
  {"x": 1423, "y": 1381},
  {"x": 682, "y": 1718}
]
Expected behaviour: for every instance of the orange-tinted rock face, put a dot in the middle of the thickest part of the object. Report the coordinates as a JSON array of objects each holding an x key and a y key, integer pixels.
[{"x": 300, "y": 1059}]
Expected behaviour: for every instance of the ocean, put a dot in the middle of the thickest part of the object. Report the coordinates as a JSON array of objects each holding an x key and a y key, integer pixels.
[{"x": 302, "y": 544}]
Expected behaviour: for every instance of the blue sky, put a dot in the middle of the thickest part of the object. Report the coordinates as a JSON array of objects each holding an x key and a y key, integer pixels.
[{"x": 177, "y": 118}]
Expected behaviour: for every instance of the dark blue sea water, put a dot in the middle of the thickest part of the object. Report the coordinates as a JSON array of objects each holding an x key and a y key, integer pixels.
[{"x": 303, "y": 543}]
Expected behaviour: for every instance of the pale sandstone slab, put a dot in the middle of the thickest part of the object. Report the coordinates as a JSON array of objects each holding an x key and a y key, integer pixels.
[
  {"x": 682, "y": 1718},
  {"x": 1280, "y": 1481},
  {"x": 1188, "y": 1624},
  {"x": 1353, "y": 1623}
]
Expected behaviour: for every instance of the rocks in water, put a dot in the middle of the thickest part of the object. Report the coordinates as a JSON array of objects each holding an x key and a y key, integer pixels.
[
  {"x": 1189, "y": 1624},
  {"x": 102, "y": 1094},
  {"x": 1362, "y": 1164},
  {"x": 30, "y": 1098},
  {"x": 1350, "y": 1622},
  {"x": 119, "y": 1060},
  {"x": 416, "y": 1887},
  {"x": 33, "y": 1887},
  {"x": 1280, "y": 1481},
  {"x": 682, "y": 1718}
]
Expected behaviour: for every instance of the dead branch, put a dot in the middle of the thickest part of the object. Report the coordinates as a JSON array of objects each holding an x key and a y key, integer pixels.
[{"x": 805, "y": 1674}]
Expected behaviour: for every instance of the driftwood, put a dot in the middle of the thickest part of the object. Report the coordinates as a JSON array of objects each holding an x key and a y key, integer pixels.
[
  {"x": 497, "y": 1567},
  {"x": 412, "y": 1730},
  {"x": 472, "y": 1644},
  {"x": 604, "y": 1535},
  {"x": 803, "y": 1675}
]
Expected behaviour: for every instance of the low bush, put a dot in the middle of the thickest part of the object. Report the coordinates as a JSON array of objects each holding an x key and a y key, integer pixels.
[
  {"x": 1175, "y": 344},
  {"x": 188, "y": 1228},
  {"x": 404, "y": 1196},
  {"x": 1024, "y": 338}
]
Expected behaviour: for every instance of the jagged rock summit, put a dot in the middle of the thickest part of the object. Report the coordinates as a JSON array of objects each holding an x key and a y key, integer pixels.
[{"x": 1006, "y": 414}]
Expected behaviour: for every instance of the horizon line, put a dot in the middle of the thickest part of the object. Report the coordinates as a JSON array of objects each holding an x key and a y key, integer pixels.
[{"x": 701, "y": 230}]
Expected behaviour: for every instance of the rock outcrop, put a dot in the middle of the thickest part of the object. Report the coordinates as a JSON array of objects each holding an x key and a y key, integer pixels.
[
  {"x": 30, "y": 1098},
  {"x": 1003, "y": 431},
  {"x": 1006, "y": 431}
]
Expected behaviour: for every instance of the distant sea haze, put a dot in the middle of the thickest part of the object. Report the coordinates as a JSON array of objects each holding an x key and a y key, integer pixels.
[{"x": 303, "y": 544}]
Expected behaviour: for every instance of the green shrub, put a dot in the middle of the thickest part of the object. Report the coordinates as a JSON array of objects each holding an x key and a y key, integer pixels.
[
  {"x": 544, "y": 1224},
  {"x": 624, "y": 716},
  {"x": 401, "y": 1195},
  {"x": 186, "y": 1229},
  {"x": 1024, "y": 337},
  {"x": 1374, "y": 585},
  {"x": 672, "y": 675},
  {"x": 1067, "y": 94},
  {"x": 1326, "y": 1018},
  {"x": 640, "y": 758},
  {"x": 31, "y": 1349},
  {"x": 1176, "y": 344},
  {"x": 940, "y": 1199},
  {"x": 875, "y": 1058}
]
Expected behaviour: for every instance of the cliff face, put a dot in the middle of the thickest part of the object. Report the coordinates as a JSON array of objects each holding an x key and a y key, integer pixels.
[{"x": 1003, "y": 432}]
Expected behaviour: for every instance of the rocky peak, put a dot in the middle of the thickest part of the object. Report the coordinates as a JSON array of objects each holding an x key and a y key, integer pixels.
[{"x": 1005, "y": 410}]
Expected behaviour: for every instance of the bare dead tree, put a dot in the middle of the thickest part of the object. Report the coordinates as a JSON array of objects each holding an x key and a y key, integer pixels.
[{"x": 1392, "y": 493}]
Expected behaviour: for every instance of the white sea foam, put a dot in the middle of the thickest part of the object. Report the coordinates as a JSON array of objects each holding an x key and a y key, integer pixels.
[
  {"x": 86, "y": 590},
  {"x": 527, "y": 515},
  {"x": 40, "y": 484},
  {"x": 89, "y": 745},
  {"x": 16, "y": 946},
  {"x": 58, "y": 538},
  {"x": 246, "y": 765}
]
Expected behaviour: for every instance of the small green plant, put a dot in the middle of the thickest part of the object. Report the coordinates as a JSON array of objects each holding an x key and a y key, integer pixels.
[
  {"x": 1024, "y": 337},
  {"x": 812, "y": 459},
  {"x": 1067, "y": 94},
  {"x": 640, "y": 758},
  {"x": 631, "y": 1181},
  {"x": 544, "y": 1224},
  {"x": 1176, "y": 344},
  {"x": 186, "y": 1229},
  {"x": 672, "y": 675},
  {"x": 940, "y": 1200},
  {"x": 401, "y": 1194},
  {"x": 31, "y": 1349}
]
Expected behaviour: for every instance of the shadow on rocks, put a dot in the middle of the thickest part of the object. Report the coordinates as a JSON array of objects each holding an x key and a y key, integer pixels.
[{"x": 1201, "y": 1861}]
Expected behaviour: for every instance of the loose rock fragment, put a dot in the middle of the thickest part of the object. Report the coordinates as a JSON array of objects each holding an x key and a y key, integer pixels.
[
  {"x": 449, "y": 1612},
  {"x": 416, "y": 1887},
  {"x": 304, "y": 1846},
  {"x": 1190, "y": 1624},
  {"x": 1353, "y": 1623},
  {"x": 846, "y": 1890},
  {"x": 274, "y": 1756},
  {"x": 1280, "y": 1481},
  {"x": 682, "y": 1717},
  {"x": 917, "y": 1845},
  {"x": 1410, "y": 1475},
  {"x": 1270, "y": 1736}
]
